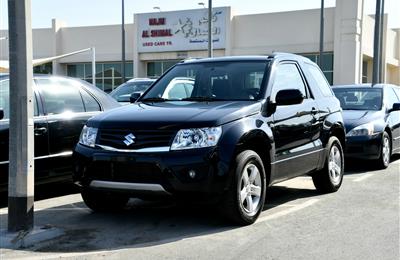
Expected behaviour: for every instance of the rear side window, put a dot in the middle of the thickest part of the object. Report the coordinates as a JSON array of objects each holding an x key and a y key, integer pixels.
[
  {"x": 287, "y": 76},
  {"x": 60, "y": 96},
  {"x": 319, "y": 80},
  {"x": 89, "y": 102},
  {"x": 5, "y": 99}
]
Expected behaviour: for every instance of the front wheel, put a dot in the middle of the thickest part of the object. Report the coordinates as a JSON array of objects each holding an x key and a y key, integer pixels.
[
  {"x": 244, "y": 201},
  {"x": 386, "y": 151},
  {"x": 330, "y": 178}
]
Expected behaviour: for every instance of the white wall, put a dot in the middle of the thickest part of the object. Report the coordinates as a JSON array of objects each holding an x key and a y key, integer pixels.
[{"x": 296, "y": 31}]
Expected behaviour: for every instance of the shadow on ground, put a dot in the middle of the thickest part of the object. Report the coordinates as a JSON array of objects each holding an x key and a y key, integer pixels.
[
  {"x": 141, "y": 224},
  {"x": 358, "y": 166}
]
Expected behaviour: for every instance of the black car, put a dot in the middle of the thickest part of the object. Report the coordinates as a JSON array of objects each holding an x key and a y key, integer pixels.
[
  {"x": 123, "y": 92},
  {"x": 249, "y": 122},
  {"x": 372, "y": 119},
  {"x": 61, "y": 107}
]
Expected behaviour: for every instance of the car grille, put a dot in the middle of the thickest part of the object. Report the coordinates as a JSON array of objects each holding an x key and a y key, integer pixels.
[{"x": 142, "y": 138}]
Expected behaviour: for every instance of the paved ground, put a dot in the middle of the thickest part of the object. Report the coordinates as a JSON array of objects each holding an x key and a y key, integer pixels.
[{"x": 361, "y": 221}]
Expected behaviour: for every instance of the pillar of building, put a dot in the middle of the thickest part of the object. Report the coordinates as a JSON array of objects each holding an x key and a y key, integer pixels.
[
  {"x": 347, "y": 42},
  {"x": 57, "y": 25},
  {"x": 139, "y": 67}
]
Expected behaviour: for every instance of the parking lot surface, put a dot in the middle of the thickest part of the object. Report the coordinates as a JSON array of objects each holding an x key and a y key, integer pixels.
[{"x": 360, "y": 221}]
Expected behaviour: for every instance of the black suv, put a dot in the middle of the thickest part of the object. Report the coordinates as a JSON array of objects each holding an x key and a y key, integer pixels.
[{"x": 244, "y": 124}]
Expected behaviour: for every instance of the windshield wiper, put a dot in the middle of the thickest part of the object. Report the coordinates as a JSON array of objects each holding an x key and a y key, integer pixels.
[
  {"x": 154, "y": 99},
  {"x": 201, "y": 99}
]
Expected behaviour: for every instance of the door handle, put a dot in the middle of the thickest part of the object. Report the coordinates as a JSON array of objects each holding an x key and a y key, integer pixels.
[{"x": 40, "y": 131}]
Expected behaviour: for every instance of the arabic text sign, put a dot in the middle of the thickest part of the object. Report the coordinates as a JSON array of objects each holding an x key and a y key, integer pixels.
[{"x": 180, "y": 30}]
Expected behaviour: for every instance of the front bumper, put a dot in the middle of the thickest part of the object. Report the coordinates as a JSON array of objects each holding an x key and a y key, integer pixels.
[
  {"x": 151, "y": 173},
  {"x": 364, "y": 147}
]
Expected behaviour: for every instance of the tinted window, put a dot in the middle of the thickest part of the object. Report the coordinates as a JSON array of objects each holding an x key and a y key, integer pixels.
[
  {"x": 123, "y": 92},
  {"x": 397, "y": 90},
  {"x": 319, "y": 80},
  {"x": 287, "y": 76},
  {"x": 60, "y": 96},
  {"x": 214, "y": 80},
  {"x": 89, "y": 102},
  {"x": 5, "y": 99},
  {"x": 390, "y": 97},
  {"x": 359, "y": 98}
]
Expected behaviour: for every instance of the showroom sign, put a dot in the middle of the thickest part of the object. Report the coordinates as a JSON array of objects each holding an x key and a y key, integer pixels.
[{"x": 180, "y": 30}]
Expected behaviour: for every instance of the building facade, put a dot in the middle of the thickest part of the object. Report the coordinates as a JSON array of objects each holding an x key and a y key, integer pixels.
[{"x": 158, "y": 40}]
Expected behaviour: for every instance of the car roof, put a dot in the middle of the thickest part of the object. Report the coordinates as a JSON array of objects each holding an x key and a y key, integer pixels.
[
  {"x": 280, "y": 55},
  {"x": 140, "y": 80},
  {"x": 365, "y": 85}
]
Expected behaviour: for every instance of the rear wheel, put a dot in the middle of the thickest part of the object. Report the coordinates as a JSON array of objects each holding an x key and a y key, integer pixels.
[
  {"x": 103, "y": 201},
  {"x": 330, "y": 178},
  {"x": 386, "y": 151},
  {"x": 244, "y": 201}
]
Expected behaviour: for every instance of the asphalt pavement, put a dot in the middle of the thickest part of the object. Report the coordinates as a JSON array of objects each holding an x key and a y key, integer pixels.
[{"x": 360, "y": 221}]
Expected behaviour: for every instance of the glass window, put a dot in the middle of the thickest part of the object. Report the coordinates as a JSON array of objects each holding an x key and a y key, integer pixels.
[
  {"x": 319, "y": 80},
  {"x": 397, "y": 90},
  {"x": 60, "y": 96},
  {"x": 89, "y": 102},
  {"x": 326, "y": 66},
  {"x": 123, "y": 92},
  {"x": 211, "y": 81},
  {"x": 359, "y": 98},
  {"x": 5, "y": 98},
  {"x": 287, "y": 76},
  {"x": 390, "y": 97}
]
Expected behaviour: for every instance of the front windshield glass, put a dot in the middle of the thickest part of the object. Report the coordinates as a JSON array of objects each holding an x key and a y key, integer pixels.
[
  {"x": 359, "y": 98},
  {"x": 210, "y": 81}
]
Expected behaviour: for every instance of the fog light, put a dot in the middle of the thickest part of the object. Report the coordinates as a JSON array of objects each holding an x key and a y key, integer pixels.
[{"x": 192, "y": 174}]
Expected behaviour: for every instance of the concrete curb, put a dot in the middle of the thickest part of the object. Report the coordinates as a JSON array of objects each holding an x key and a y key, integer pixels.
[{"x": 23, "y": 239}]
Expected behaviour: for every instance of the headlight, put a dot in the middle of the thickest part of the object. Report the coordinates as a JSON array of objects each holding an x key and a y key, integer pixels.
[
  {"x": 88, "y": 136},
  {"x": 196, "y": 138},
  {"x": 362, "y": 130}
]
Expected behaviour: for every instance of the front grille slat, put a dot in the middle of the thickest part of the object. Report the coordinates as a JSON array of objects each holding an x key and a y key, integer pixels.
[{"x": 143, "y": 138}]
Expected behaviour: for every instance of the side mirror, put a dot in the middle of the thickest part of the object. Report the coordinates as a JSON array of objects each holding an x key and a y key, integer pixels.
[
  {"x": 135, "y": 96},
  {"x": 1, "y": 113},
  {"x": 396, "y": 107},
  {"x": 289, "y": 97}
]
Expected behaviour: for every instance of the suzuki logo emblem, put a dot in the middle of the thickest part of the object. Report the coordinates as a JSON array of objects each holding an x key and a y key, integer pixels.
[{"x": 129, "y": 139}]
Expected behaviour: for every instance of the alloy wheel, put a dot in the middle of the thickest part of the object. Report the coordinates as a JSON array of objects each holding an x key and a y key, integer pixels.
[
  {"x": 250, "y": 189},
  {"x": 335, "y": 165}
]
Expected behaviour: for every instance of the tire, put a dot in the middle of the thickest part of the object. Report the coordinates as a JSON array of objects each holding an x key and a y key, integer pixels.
[
  {"x": 386, "y": 151},
  {"x": 244, "y": 201},
  {"x": 103, "y": 201},
  {"x": 330, "y": 178}
]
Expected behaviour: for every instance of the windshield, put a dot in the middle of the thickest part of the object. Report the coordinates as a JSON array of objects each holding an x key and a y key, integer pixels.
[
  {"x": 123, "y": 92},
  {"x": 359, "y": 98},
  {"x": 210, "y": 81}
]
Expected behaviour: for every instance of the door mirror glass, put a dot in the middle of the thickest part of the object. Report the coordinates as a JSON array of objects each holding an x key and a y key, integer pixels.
[
  {"x": 1, "y": 113},
  {"x": 135, "y": 96},
  {"x": 289, "y": 97}
]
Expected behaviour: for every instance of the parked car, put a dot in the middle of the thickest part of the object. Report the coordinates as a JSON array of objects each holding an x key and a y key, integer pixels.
[
  {"x": 123, "y": 92},
  {"x": 249, "y": 122},
  {"x": 372, "y": 119},
  {"x": 61, "y": 107}
]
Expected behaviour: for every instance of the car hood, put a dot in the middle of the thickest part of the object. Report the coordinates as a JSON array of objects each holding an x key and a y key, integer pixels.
[
  {"x": 175, "y": 115},
  {"x": 354, "y": 118}
]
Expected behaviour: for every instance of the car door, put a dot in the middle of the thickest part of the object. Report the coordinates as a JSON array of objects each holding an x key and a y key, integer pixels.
[
  {"x": 67, "y": 107},
  {"x": 393, "y": 117},
  {"x": 40, "y": 137},
  {"x": 292, "y": 125}
]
